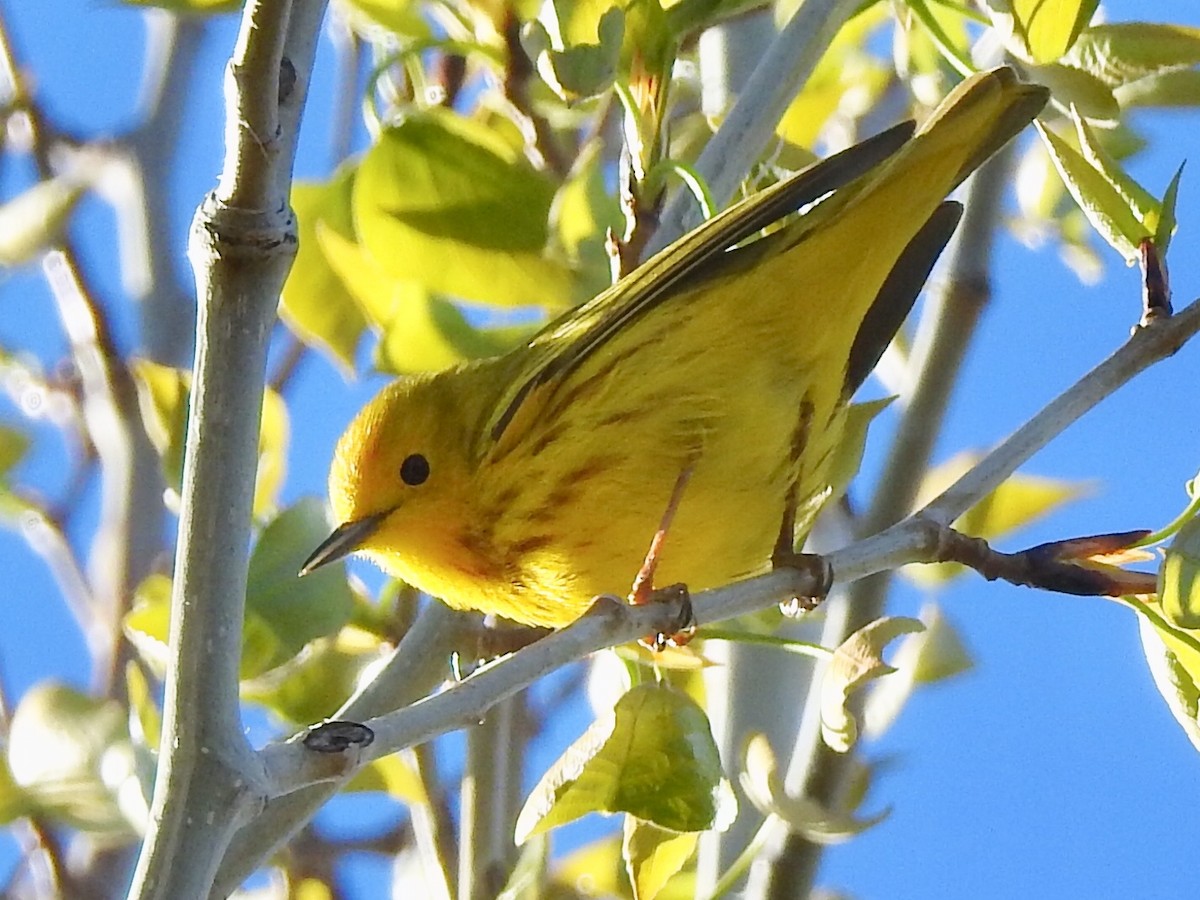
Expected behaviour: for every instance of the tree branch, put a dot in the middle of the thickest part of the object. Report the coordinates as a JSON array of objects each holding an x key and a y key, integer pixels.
[{"x": 242, "y": 244}]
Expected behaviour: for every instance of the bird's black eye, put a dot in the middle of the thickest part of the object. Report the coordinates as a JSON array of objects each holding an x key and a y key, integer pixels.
[{"x": 414, "y": 470}]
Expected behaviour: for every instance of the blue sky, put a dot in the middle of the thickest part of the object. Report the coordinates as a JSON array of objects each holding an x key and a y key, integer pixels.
[{"x": 1052, "y": 769}]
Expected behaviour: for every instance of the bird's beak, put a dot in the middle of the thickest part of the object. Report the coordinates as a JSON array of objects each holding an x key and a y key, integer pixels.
[{"x": 345, "y": 540}]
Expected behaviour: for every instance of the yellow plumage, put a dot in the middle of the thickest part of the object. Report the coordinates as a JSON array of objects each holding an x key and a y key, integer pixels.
[{"x": 527, "y": 484}]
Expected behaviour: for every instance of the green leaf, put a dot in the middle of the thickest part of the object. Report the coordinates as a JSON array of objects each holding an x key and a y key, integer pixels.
[
  {"x": 1109, "y": 212},
  {"x": 764, "y": 787},
  {"x": 1174, "y": 677},
  {"x": 294, "y": 610},
  {"x": 855, "y": 663},
  {"x": 145, "y": 718},
  {"x": 1121, "y": 53},
  {"x": 35, "y": 218},
  {"x": 283, "y": 613},
  {"x": 582, "y": 214},
  {"x": 1166, "y": 221},
  {"x": 1040, "y": 31},
  {"x": 71, "y": 756},
  {"x": 316, "y": 305},
  {"x": 528, "y": 876},
  {"x": 654, "y": 855},
  {"x": 577, "y": 70},
  {"x": 1076, "y": 87},
  {"x": 401, "y": 17},
  {"x": 1173, "y": 655},
  {"x": 147, "y": 625},
  {"x": 598, "y": 864},
  {"x": 847, "y": 459},
  {"x": 313, "y": 684},
  {"x": 653, "y": 757},
  {"x": 1174, "y": 88},
  {"x": 443, "y": 202},
  {"x": 392, "y": 775},
  {"x": 1179, "y": 578},
  {"x": 164, "y": 394}
]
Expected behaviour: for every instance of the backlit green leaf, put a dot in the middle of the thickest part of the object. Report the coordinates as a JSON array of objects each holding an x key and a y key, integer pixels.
[
  {"x": 316, "y": 304},
  {"x": 71, "y": 756},
  {"x": 1040, "y": 31},
  {"x": 440, "y": 201},
  {"x": 1109, "y": 212},
  {"x": 295, "y": 610},
  {"x": 1123, "y": 52},
  {"x": 164, "y": 394},
  {"x": 653, "y": 757},
  {"x": 654, "y": 855},
  {"x": 34, "y": 218},
  {"x": 1179, "y": 578}
]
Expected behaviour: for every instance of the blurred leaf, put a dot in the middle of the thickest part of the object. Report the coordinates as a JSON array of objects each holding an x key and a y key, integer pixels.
[
  {"x": 71, "y": 756},
  {"x": 204, "y": 7},
  {"x": 595, "y": 868},
  {"x": 935, "y": 654},
  {"x": 391, "y": 775},
  {"x": 34, "y": 218},
  {"x": 313, "y": 683},
  {"x": 145, "y": 718},
  {"x": 1017, "y": 502},
  {"x": 847, "y": 458},
  {"x": 294, "y": 610},
  {"x": 572, "y": 62},
  {"x": 283, "y": 612},
  {"x": 1040, "y": 31},
  {"x": 1179, "y": 578},
  {"x": 855, "y": 663},
  {"x": 13, "y": 445},
  {"x": 316, "y": 305},
  {"x": 582, "y": 214},
  {"x": 653, "y": 757},
  {"x": 310, "y": 889},
  {"x": 653, "y": 855},
  {"x": 528, "y": 877},
  {"x": 688, "y": 17},
  {"x": 764, "y": 787},
  {"x": 13, "y": 801},
  {"x": 401, "y": 17},
  {"x": 847, "y": 79},
  {"x": 1076, "y": 87},
  {"x": 147, "y": 625},
  {"x": 943, "y": 35},
  {"x": 164, "y": 394},
  {"x": 440, "y": 201},
  {"x": 1123, "y": 52},
  {"x": 1172, "y": 88}
]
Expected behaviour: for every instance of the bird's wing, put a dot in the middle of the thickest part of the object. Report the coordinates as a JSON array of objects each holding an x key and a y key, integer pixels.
[{"x": 568, "y": 341}]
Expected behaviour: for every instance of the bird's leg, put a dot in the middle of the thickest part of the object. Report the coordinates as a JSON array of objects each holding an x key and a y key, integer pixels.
[
  {"x": 785, "y": 556},
  {"x": 643, "y": 590}
]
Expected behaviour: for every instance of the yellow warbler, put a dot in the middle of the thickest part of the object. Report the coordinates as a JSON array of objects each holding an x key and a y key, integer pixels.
[{"x": 527, "y": 484}]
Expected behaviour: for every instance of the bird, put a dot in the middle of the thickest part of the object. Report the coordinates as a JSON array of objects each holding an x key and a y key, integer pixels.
[{"x": 713, "y": 380}]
